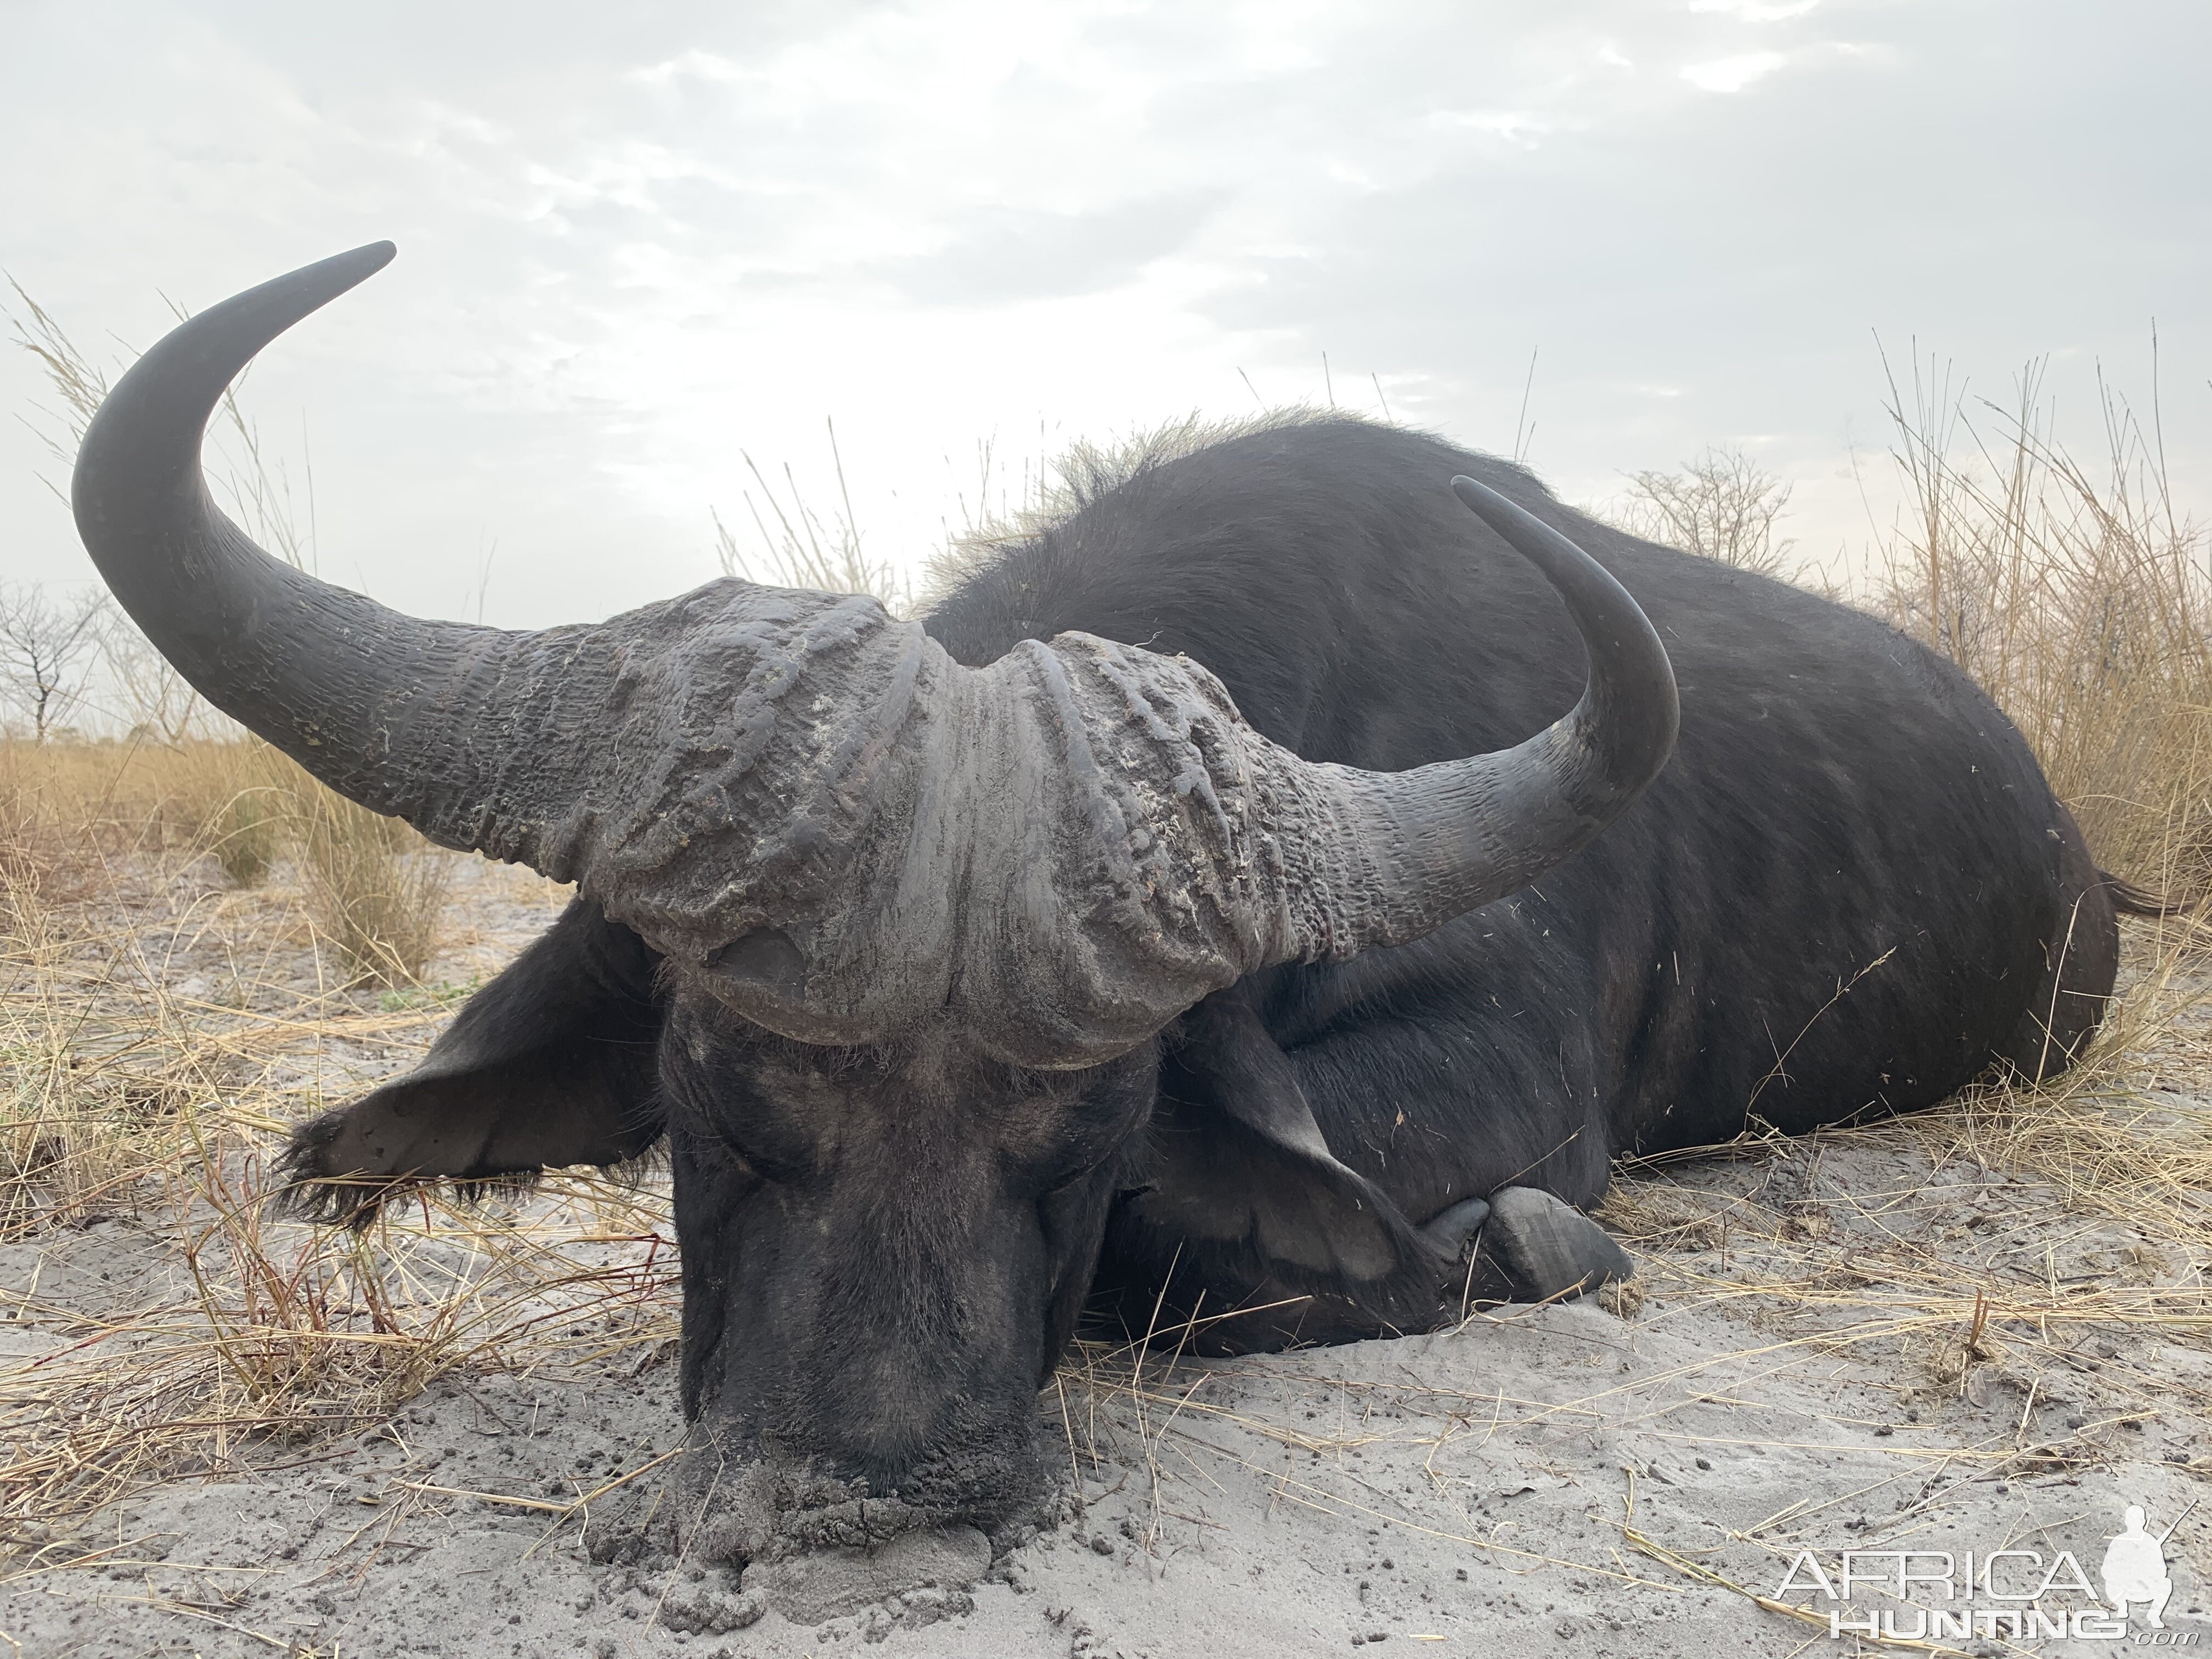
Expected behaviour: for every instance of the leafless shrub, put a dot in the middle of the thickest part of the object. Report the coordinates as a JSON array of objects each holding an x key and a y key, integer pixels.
[
  {"x": 146, "y": 696},
  {"x": 46, "y": 645},
  {"x": 1721, "y": 506}
]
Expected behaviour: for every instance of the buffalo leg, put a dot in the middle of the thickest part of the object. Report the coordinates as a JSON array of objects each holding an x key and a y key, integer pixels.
[{"x": 551, "y": 1063}]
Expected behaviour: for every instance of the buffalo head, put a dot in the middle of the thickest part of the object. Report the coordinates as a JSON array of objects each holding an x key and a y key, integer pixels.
[{"x": 883, "y": 945}]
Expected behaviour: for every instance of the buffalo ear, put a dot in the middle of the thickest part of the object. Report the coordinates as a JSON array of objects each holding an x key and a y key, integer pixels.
[
  {"x": 1239, "y": 1173},
  {"x": 551, "y": 1063}
]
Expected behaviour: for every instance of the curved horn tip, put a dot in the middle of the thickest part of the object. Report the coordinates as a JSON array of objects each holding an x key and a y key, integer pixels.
[
  {"x": 1488, "y": 504},
  {"x": 373, "y": 257},
  {"x": 1633, "y": 681},
  {"x": 343, "y": 270},
  {"x": 297, "y": 293}
]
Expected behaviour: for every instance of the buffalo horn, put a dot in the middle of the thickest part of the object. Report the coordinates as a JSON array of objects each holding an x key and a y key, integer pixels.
[
  {"x": 483, "y": 738},
  {"x": 808, "y": 804},
  {"x": 1388, "y": 856}
]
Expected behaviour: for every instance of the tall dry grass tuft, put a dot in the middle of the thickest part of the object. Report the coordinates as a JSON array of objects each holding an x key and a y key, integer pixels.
[
  {"x": 103, "y": 1066},
  {"x": 2079, "y": 599},
  {"x": 230, "y": 800},
  {"x": 19, "y": 860},
  {"x": 375, "y": 888},
  {"x": 803, "y": 550},
  {"x": 68, "y": 809}
]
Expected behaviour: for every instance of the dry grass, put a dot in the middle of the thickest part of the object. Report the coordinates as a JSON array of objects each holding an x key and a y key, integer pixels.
[
  {"x": 236, "y": 1339},
  {"x": 1720, "y": 505},
  {"x": 72, "y": 814},
  {"x": 794, "y": 546},
  {"x": 2079, "y": 596},
  {"x": 282, "y": 1338},
  {"x": 234, "y": 800},
  {"x": 376, "y": 888}
]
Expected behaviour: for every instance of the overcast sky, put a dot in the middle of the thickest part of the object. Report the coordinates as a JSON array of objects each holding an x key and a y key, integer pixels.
[{"x": 639, "y": 241}]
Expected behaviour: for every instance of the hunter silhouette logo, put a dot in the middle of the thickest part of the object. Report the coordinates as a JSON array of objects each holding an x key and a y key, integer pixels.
[
  {"x": 2134, "y": 1567},
  {"x": 2016, "y": 1593}
]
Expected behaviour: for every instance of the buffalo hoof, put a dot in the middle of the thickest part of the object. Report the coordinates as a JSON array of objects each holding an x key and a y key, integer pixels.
[
  {"x": 1543, "y": 1249},
  {"x": 1450, "y": 1231},
  {"x": 1526, "y": 1246}
]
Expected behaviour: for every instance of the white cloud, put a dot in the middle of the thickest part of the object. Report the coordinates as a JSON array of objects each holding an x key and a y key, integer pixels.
[
  {"x": 1733, "y": 74},
  {"x": 1517, "y": 127},
  {"x": 1756, "y": 11},
  {"x": 644, "y": 241}
]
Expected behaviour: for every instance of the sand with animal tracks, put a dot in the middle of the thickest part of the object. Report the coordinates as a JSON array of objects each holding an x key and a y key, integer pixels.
[{"x": 1906, "y": 1338}]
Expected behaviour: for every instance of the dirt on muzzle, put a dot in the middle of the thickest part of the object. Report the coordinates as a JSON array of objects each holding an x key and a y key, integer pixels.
[{"x": 712, "y": 1503}]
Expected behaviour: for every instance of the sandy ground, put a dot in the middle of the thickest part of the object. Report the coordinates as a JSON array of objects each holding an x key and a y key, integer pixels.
[{"x": 1872, "y": 1343}]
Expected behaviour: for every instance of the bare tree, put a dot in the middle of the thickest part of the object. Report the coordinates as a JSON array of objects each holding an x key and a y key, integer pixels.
[
  {"x": 1722, "y": 506},
  {"x": 46, "y": 648},
  {"x": 146, "y": 695}
]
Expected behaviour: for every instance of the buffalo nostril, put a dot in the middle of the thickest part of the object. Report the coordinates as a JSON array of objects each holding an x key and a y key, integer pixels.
[{"x": 765, "y": 956}]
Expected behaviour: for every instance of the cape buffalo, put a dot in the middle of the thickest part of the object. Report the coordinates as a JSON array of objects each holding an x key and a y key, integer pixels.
[{"x": 1136, "y": 922}]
